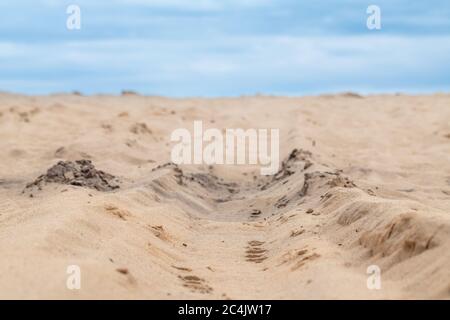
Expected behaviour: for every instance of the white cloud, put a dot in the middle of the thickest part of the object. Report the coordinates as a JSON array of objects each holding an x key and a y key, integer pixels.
[{"x": 242, "y": 64}]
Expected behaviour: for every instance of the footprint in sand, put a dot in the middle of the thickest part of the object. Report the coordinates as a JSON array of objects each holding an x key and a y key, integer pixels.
[
  {"x": 182, "y": 268},
  {"x": 298, "y": 258},
  {"x": 195, "y": 284},
  {"x": 127, "y": 274},
  {"x": 140, "y": 128},
  {"x": 255, "y": 213},
  {"x": 160, "y": 232},
  {"x": 282, "y": 202},
  {"x": 255, "y": 251},
  {"x": 295, "y": 233},
  {"x": 107, "y": 127},
  {"x": 283, "y": 219},
  {"x": 119, "y": 213}
]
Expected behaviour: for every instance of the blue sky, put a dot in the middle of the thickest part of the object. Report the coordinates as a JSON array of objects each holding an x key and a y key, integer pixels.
[{"x": 224, "y": 47}]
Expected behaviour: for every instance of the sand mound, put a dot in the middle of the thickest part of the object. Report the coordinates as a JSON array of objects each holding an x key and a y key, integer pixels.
[
  {"x": 299, "y": 176},
  {"x": 81, "y": 173}
]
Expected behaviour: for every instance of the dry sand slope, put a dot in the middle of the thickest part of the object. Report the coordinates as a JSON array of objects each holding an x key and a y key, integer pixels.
[{"x": 365, "y": 181}]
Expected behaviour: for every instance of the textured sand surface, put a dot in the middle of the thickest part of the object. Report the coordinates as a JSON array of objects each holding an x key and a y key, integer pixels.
[{"x": 369, "y": 184}]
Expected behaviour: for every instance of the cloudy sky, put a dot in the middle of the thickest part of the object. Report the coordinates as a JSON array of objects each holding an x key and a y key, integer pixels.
[{"x": 224, "y": 47}]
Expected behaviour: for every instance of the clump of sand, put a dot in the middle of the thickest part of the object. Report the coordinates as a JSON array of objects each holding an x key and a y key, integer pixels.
[{"x": 81, "y": 173}]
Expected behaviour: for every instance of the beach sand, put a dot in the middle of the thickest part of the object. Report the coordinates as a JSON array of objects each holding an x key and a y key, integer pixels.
[{"x": 365, "y": 182}]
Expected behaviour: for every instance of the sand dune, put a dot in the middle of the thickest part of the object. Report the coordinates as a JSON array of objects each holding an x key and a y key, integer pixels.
[{"x": 364, "y": 181}]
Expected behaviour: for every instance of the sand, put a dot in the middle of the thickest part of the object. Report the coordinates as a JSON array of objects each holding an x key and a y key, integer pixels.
[{"x": 365, "y": 182}]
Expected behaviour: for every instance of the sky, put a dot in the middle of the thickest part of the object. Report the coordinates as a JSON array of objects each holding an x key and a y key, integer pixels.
[{"x": 210, "y": 48}]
